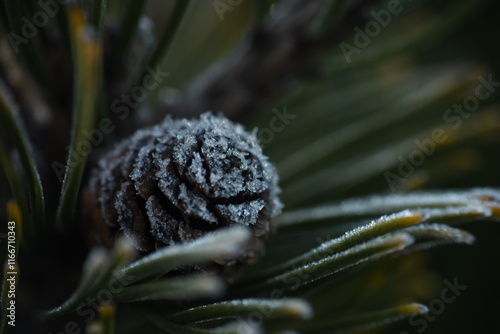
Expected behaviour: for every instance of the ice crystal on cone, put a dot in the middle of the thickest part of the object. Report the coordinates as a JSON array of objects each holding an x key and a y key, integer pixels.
[{"x": 181, "y": 179}]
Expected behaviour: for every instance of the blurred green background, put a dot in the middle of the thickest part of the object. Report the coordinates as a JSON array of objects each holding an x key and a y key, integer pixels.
[{"x": 353, "y": 121}]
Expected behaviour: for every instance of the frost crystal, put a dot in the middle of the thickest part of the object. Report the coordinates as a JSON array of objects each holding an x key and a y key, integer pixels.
[{"x": 181, "y": 179}]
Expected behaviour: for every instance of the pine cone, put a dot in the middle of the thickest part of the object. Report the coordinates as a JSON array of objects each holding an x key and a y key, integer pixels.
[{"x": 180, "y": 180}]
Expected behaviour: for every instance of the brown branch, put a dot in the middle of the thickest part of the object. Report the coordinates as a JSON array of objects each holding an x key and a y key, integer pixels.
[{"x": 267, "y": 63}]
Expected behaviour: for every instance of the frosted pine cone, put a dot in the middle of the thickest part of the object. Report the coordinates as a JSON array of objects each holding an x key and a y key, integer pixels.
[{"x": 181, "y": 179}]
